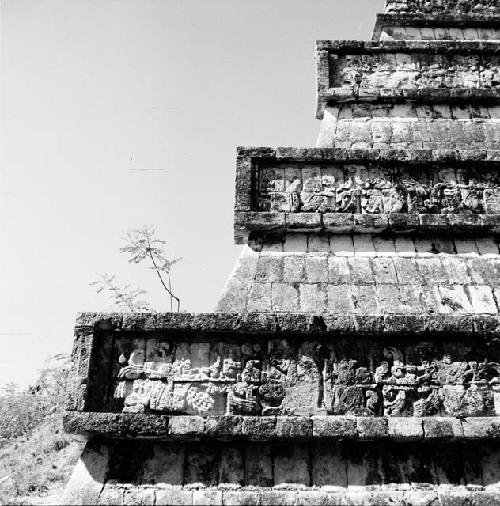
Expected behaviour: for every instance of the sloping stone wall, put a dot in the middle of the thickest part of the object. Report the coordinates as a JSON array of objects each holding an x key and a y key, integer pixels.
[{"x": 366, "y": 274}]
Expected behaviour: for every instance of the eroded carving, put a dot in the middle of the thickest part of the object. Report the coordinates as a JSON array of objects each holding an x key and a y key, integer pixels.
[
  {"x": 443, "y": 6},
  {"x": 351, "y": 191},
  {"x": 193, "y": 378}
]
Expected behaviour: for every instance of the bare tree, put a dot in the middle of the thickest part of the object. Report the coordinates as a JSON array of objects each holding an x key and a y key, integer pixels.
[
  {"x": 125, "y": 298},
  {"x": 140, "y": 245},
  {"x": 143, "y": 245}
]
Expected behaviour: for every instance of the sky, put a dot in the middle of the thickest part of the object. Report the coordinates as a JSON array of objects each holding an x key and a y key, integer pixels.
[{"x": 119, "y": 113}]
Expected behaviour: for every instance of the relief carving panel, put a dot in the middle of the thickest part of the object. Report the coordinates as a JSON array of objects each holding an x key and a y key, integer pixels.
[
  {"x": 444, "y": 6},
  {"x": 286, "y": 378},
  {"x": 355, "y": 189}
]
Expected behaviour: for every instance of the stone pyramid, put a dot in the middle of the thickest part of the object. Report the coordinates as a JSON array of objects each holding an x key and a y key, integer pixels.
[{"x": 354, "y": 354}]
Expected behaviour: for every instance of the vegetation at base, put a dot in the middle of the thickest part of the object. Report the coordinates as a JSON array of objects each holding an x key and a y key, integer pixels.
[{"x": 36, "y": 456}]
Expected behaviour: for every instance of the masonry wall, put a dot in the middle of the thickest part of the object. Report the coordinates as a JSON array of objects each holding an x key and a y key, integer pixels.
[
  {"x": 144, "y": 472},
  {"x": 366, "y": 274}
]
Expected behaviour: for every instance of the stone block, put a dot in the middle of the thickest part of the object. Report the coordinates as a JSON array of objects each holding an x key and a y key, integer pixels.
[
  {"x": 365, "y": 300},
  {"x": 234, "y": 297},
  {"x": 201, "y": 469},
  {"x": 259, "y": 298},
  {"x": 441, "y": 428},
  {"x": 453, "y": 299},
  {"x": 284, "y": 298},
  {"x": 318, "y": 243},
  {"x": 466, "y": 247},
  {"x": 404, "y": 245},
  {"x": 384, "y": 245},
  {"x": 482, "y": 299},
  {"x": 208, "y": 497},
  {"x": 320, "y": 498},
  {"x": 328, "y": 466},
  {"x": 291, "y": 465},
  {"x": 487, "y": 246},
  {"x": 361, "y": 270},
  {"x": 338, "y": 270},
  {"x": 277, "y": 497},
  {"x": 363, "y": 470},
  {"x": 481, "y": 428},
  {"x": 182, "y": 426},
  {"x": 483, "y": 271},
  {"x": 338, "y": 427},
  {"x": 231, "y": 466},
  {"x": 384, "y": 271},
  {"x": 375, "y": 498},
  {"x": 261, "y": 428},
  {"x": 403, "y": 222},
  {"x": 372, "y": 427},
  {"x": 389, "y": 299},
  {"x": 269, "y": 268},
  {"x": 295, "y": 427},
  {"x": 293, "y": 269},
  {"x": 316, "y": 267},
  {"x": 342, "y": 244},
  {"x": 166, "y": 465},
  {"x": 223, "y": 426},
  {"x": 338, "y": 223},
  {"x": 410, "y": 299},
  {"x": 456, "y": 270},
  {"x": 258, "y": 465},
  {"x": 111, "y": 495},
  {"x": 306, "y": 222},
  {"x": 139, "y": 496},
  {"x": 405, "y": 428},
  {"x": 295, "y": 243},
  {"x": 340, "y": 300},
  {"x": 464, "y": 497},
  {"x": 433, "y": 221},
  {"x": 370, "y": 223},
  {"x": 432, "y": 271},
  {"x": 312, "y": 297},
  {"x": 240, "y": 497},
  {"x": 363, "y": 244}
]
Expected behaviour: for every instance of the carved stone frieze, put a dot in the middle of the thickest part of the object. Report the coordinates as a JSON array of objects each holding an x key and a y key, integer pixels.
[
  {"x": 443, "y": 6},
  {"x": 354, "y": 189},
  {"x": 283, "y": 378}
]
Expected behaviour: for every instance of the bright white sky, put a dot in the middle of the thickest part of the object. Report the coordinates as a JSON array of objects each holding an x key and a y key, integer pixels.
[{"x": 119, "y": 113}]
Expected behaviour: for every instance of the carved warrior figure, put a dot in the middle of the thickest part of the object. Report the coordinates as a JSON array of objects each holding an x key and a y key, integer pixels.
[
  {"x": 378, "y": 195},
  {"x": 308, "y": 381}
]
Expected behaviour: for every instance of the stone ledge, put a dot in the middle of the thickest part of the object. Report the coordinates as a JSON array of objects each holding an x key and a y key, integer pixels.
[
  {"x": 419, "y": 46},
  {"x": 289, "y": 323},
  {"x": 290, "y": 495},
  {"x": 276, "y": 428},
  {"x": 436, "y": 20},
  {"x": 445, "y": 20},
  {"x": 462, "y": 157},
  {"x": 248, "y": 222},
  {"x": 427, "y": 95}
]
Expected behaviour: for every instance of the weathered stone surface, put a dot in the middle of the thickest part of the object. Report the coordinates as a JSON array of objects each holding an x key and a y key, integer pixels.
[
  {"x": 403, "y": 428},
  {"x": 334, "y": 427},
  {"x": 175, "y": 496},
  {"x": 355, "y": 356},
  {"x": 291, "y": 465},
  {"x": 329, "y": 191}
]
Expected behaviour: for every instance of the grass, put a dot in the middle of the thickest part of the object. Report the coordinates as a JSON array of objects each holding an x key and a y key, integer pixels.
[
  {"x": 34, "y": 468},
  {"x": 36, "y": 455}
]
